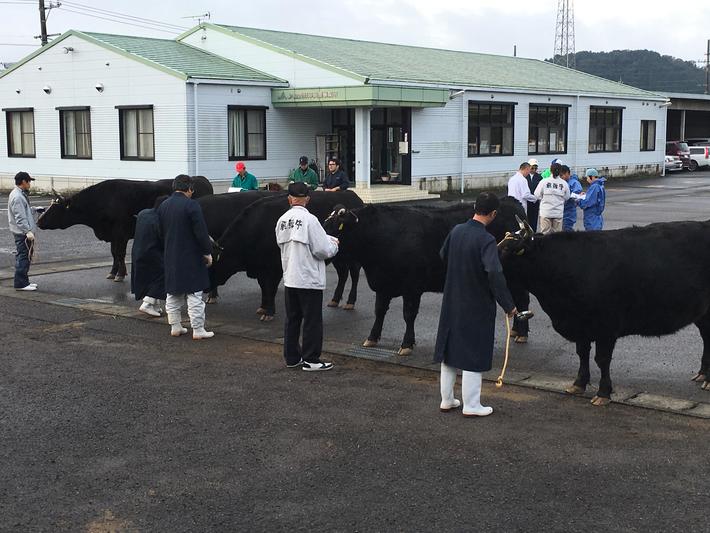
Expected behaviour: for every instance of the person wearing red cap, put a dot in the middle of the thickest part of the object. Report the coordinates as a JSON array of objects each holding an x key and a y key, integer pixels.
[{"x": 243, "y": 180}]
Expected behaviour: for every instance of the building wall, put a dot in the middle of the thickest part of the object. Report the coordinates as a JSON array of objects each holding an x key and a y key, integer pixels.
[
  {"x": 297, "y": 72},
  {"x": 437, "y": 147},
  {"x": 73, "y": 77},
  {"x": 290, "y": 133}
]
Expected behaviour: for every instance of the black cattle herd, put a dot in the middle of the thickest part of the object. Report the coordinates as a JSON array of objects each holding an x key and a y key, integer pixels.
[{"x": 648, "y": 281}]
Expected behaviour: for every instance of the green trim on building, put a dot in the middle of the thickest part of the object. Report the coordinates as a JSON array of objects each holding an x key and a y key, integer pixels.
[{"x": 360, "y": 96}]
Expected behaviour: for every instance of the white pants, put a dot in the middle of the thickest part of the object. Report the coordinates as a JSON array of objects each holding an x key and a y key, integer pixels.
[
  {"x": 470, "y": 387},
  {"x": 195, "y": 309}
]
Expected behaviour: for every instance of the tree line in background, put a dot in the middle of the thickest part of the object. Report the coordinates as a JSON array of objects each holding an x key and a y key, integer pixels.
[{"x": 644, "y": 69}]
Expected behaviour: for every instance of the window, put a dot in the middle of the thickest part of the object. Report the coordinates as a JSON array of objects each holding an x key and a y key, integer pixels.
[
  {"x": 20, "y": 132},
  {"x": 247, "y": 133},
  {"x": 137, "y": 135},
  {"x": 75, "y": 131},
  {"x": 604, "y": 129},
  {"x": 648, "y": 135},
  {"x": 490, "y": 129},
  {"x": 547, "y": 129}
]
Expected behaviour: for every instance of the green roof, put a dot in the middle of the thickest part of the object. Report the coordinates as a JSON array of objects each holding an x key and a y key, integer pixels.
[
  {"x": 413, "y": 64},
  {"x": 168, "y": 55}
]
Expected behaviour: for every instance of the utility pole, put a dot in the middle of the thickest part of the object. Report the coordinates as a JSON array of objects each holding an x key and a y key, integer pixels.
[
  {"x": 707, "y": 69},
  {"x": 42, "y": 22}
]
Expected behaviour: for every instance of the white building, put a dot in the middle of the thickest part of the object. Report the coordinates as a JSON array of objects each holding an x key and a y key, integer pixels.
[{"x": 95, "y": 106}]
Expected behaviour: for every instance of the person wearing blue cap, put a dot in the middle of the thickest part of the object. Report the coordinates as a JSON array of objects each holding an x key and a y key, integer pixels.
[
  {"x": 569, "y": 217},
  {"x": 594, "y": 201}
]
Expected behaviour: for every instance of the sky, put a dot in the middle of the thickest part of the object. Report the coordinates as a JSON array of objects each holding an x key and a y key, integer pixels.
[{"x": 471, "y": 25}]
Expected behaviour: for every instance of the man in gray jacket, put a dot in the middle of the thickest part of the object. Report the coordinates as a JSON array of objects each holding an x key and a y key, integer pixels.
[{"x": 22, "y": 225}]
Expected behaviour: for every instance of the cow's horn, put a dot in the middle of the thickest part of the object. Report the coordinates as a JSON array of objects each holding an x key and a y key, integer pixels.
[{"x": 520, "y": 222}]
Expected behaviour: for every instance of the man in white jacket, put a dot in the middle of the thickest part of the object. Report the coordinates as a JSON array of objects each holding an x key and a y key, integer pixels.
[
  {"x": 519, "y": 188},
  {"x": 553, "y": 192},
  {"x": 304, "y": 248}
]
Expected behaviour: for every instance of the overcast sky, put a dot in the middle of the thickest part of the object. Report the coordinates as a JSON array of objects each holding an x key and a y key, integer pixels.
[{"x": 472, "y": 25}]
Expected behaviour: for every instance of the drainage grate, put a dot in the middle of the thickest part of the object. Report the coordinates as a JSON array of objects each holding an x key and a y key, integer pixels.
[{"x": 380, "y": 353}]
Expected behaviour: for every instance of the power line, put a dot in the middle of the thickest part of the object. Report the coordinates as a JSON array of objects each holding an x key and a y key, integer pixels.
[
  {"x": 119, "y": 21},
  {"x": 125, "y": 16}
]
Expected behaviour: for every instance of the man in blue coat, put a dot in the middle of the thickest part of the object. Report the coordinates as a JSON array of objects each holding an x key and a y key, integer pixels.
[
  {"x": 187, "y": 254},
  {"x": 594, "y": 201},
  {"x": 569, "y": 218},
  {"x": 474, "y": 282}
]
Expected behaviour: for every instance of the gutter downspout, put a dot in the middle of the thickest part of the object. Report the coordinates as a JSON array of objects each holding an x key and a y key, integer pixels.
[
  {"x": 196, "y": 126},
  {"x": 463, "y": 143},
  {"x": 576, "y": 131}
]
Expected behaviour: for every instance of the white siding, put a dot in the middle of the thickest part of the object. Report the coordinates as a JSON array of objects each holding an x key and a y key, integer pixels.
[
  {"x": 290, "y": 133},
  {"x": 298, "y": 73},
  {"x": 437, "y": 141},
  {"x": 73, "y": 77}
]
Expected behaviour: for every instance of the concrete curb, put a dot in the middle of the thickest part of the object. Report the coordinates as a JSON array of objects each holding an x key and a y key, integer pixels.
[{"x": 543, "y": 382}]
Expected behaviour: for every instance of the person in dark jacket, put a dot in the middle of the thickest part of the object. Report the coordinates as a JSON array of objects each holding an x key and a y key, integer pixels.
[
  {"x": 534, "y": 178},
  {"x": 335, "y": 179},
  {"x": 188, "y": 253},
  {"x": 147, "y": 266},
  {"x": 474, "y": 282}
]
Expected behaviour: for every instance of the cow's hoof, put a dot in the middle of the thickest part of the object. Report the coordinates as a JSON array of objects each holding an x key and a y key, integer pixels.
[
  {"x": 211, "y": 300},
  {"x": 699, "y": 377},
  {"x": 520, "y": 339},
  {"x": 118, "y": 279},
  {"x": 600, "y": 401},
  {"x": 405, "y": 351},
  {"x": 369, "y": 344},
  {"x": 266, "y": 318},
  {"x": 575, "y": 389},
  {"x": 705, "y": 385},
  {"x": 513, "y": 333},
  {"x": 349, "y": 307},
  {"x": 332, "y": 303},
  {"x": 110, "y": 276},
  {"x": 261, "y": 311}
]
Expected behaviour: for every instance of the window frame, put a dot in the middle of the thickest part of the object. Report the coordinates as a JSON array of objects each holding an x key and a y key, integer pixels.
[
  {"x": 547, "y": 107},
  {"x": 246, "y": 157},
  {"x": 8, "y": 123},
  {"x": 604, "y": 127},
  {"x": 643, "y": 137},
  {"x": 121, "y": 109},
  {"x": 489, "y": 105},
  {"x": 74, "y": 109}
]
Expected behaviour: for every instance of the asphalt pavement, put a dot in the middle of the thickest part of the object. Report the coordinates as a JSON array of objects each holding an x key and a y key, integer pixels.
[{"x": 108, "y": 424}]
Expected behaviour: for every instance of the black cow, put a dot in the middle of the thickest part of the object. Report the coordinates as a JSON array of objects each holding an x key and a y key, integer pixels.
[
  {"x": 398, "y": 247},
  {"x": 648, "y": 281},
  {"x": 249, "y": 245},
  {"x": 110, "y": 208},
  {"x": 219, "y": 211}
]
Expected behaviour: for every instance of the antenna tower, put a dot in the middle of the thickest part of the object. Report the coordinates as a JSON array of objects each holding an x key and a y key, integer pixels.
[{"x": 564, "y": 34}]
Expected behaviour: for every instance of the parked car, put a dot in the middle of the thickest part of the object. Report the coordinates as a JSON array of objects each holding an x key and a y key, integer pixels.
[
  {"x": 673, "y": 163},
  {"x": 698, "y": 141},
  {"x": 680, "y": 149},
  {"x": 699, "y": 157}
]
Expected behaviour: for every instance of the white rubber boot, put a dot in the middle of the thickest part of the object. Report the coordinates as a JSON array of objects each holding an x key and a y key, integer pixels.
[
  {"x": 201, "y": 333},
  {"x": 447, "y": 381},
  {"x": 176, "y": 328},
  {"x": 471, "y": 392}
]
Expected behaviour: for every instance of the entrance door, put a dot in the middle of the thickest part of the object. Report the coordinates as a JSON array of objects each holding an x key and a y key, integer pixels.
[{"x": 390, "y": 157}]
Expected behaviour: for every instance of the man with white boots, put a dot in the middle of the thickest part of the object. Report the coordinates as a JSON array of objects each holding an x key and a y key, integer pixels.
[
  {"x": 187, "y": 255},
  {"x": 474, "y": 282}
]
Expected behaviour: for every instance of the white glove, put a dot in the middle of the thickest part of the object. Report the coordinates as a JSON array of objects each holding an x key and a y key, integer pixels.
[
  {"x": 30, "y": 236},
  {"x": 208, "y": 260}
]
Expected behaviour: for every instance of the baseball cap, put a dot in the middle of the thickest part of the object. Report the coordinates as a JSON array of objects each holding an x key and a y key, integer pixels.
[
  {"x": 22, "y": 176},
  {"x": 592, "y": 173},
  {"x": 241, "y": 166},
  {"x": 533, "y": 162},
  {"x": 303, "y": 160},
  {"x": 298, "y": 189}
]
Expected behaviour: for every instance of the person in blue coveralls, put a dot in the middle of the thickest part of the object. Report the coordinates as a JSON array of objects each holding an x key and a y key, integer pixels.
[
  {"x": 569, "y": 217},
  {"x": 593, "y": 202}
]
